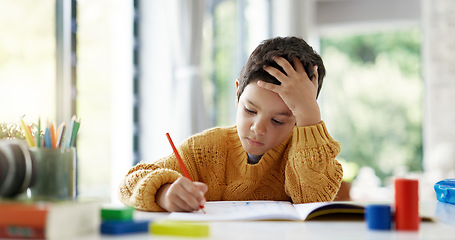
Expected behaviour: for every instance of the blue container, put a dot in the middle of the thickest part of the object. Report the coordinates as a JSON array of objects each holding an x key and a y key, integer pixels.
[
  {"x": 378, "y": 217},
  {"x": 445, "y": 190}
]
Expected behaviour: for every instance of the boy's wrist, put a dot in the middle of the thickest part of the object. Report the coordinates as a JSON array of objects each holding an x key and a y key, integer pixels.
[
  {"x": 161, "y": 194},
  {"x": 308, "y": 122},
  {"x": 309, "y": 117}
]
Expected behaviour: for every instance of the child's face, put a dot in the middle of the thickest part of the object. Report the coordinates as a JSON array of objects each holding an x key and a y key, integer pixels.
[{"x": 263, "y": 119}]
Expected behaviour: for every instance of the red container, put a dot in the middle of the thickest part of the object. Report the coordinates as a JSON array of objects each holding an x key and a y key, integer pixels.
[{"x": 407, "y": 204}]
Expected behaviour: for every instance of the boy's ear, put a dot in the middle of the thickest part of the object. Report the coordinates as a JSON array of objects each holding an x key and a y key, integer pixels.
[{"x": 236, "y": 92}]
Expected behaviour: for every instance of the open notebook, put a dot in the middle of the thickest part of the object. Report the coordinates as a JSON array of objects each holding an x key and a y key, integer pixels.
[{"x": 268, "y": 210}]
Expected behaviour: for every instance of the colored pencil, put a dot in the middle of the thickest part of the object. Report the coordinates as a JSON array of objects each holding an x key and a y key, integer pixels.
[
  {"x": 60, "y": 132},
  {"x": 181, "y": 163},
  {"x": 38, "y": 134},
  {"x": 179, "y": 159},
  {"x": 75, "y": 123},
  {"x": 47, "y": 138},
  {"x": 53, "y": 135},
  {"x": 27, "y": 133}
]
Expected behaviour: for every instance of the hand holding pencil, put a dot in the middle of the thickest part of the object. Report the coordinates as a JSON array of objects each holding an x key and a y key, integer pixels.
[{"x": 183, "y": 194}]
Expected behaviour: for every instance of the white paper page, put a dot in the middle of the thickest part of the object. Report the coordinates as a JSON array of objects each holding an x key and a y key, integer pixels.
[
  {"x": 304, "y": 209},
  {"x": 241, "y": 210}
]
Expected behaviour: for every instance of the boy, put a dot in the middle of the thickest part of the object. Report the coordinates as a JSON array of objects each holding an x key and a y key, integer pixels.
[{"x": 279, "y": 148}]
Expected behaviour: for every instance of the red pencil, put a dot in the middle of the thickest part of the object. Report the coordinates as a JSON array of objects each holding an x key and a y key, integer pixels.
[{"x": 179, "y": 159}]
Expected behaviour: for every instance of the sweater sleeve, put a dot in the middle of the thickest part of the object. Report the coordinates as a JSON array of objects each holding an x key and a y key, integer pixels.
[
  {"x": 140, "y": 185},
  {"x": 312, "y": 174}
]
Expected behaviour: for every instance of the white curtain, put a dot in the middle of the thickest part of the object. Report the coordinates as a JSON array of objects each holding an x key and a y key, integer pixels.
[
  {"x": 185, "y": 31},
  {"x": 171, "y": 98}
]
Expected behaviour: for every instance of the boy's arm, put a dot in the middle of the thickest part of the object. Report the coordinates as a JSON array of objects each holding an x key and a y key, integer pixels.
[
  {"x": 312, "y": 174},
  {"x": 139, "y": 187}
]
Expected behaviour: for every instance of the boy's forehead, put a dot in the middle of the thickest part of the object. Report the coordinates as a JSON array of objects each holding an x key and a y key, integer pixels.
[{"x": 265, "y": 100}]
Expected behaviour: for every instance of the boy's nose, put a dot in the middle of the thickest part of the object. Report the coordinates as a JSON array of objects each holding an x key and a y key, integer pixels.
[{"x": 259, "y": 128}]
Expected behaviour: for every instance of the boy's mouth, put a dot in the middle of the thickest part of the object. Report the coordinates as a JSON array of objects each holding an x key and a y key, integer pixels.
[{"x": 254, "y": 142}]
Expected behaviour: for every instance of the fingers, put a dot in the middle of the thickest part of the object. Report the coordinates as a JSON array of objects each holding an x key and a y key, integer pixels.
[
  {"x": 280, "y": 76},
  {"x": 298, "y": 66},
  {"x": 201, "y": 187},
  {"x": 291, "y": 72},
  {"x": 268, "y": 86},
  {"x": 275, "y": 72},
  {"x": 185, "y": 195},
  {"x": 287, "y": 67}
]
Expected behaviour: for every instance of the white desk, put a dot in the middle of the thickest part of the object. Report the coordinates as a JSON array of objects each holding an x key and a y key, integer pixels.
[{"x": 313, "y": 229}]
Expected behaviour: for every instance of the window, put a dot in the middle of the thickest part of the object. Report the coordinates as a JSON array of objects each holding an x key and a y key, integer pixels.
[
  {"x": 104, "y": 81},
  {"x": 104, "y": 95},
  {"x": 27, "y": 61},
  {"x": 232, "y": 31},
  {"x": 372, "y": 99}
]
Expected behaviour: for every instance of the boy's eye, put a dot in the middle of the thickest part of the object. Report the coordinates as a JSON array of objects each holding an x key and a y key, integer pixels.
[
  {"x": 277, "y": 122},
  {"x": 249, "y": 111}
]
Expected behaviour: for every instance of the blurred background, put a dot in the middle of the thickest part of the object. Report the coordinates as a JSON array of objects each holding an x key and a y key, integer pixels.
[{"x": 133, "y": 70}]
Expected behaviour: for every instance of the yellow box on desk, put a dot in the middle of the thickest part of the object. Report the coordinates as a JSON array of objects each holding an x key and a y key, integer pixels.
[{"x": 180, "y": 228}]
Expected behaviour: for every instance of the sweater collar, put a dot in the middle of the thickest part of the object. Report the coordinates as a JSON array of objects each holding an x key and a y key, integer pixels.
[
  {"x": 254, "y": 159},
  {"x": 241, "y": 157}
]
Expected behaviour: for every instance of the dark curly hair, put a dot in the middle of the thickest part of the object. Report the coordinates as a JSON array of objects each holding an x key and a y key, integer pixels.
[{"x": 286, "y": 47}]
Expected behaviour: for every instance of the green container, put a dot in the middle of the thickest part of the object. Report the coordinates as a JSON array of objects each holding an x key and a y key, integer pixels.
[
  {"x": 56, "y": 174},
  {"x": 117, "y": 213}
]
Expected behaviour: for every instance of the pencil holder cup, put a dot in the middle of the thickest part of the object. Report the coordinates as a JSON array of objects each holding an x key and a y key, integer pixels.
[{"x": 56, "y": 174}]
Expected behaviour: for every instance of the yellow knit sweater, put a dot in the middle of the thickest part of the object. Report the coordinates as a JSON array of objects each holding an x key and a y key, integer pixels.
[{"x": 301, "y": 169}]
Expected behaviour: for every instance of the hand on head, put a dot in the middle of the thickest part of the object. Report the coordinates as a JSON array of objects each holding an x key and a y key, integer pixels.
[{"x": 297, "y": 90}]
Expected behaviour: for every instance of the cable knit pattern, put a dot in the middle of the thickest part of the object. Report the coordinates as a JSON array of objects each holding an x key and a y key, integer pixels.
[{"x": 301, "y": 169}]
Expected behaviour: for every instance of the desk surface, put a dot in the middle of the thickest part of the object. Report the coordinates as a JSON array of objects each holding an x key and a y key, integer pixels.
[
  {"x": 301, "y": 230},
  {"x": 444, "y": 228}
]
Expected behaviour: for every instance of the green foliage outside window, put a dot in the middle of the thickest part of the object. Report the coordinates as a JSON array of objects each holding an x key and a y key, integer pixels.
[
  {"x": 372, "y": 99},
  {"x": 224, "y": 60}
]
